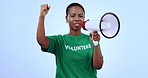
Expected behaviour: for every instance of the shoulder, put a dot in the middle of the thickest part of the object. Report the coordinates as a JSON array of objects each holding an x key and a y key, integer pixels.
[
  {"x": 84, "y": 34},
  {"x": 56, "y": 37}
]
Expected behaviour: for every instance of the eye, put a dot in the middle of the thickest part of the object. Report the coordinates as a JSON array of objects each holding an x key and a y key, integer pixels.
[
  {"x": 81, "y": 16},
  {"x": 73, "y": 15}
]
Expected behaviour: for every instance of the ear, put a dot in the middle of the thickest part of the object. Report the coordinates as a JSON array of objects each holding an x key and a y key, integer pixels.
[{"x": 66, "y": 17}]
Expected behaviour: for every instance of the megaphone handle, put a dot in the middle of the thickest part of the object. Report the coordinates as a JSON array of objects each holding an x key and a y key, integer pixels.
[{"x": 95, "y": 42}]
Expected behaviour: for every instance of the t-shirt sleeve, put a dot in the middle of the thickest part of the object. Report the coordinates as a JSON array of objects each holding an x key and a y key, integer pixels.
[{"x": 52, "y": 44}]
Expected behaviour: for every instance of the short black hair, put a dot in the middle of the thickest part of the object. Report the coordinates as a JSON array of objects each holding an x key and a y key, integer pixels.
[{"x": 74, "y": 4}]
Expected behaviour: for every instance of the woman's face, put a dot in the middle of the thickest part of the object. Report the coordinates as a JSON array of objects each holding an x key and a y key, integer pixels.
[{"x": 75, "y": 18}]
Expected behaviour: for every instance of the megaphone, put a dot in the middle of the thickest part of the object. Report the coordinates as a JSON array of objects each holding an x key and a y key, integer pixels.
[{"x": 108, "y": 25}]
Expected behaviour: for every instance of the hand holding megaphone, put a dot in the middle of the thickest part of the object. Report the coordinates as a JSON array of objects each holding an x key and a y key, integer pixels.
[
  {"x": 95, "y": 37},
  {"x": 92, "y": 33},
  {"x": 108, "y": 25}
]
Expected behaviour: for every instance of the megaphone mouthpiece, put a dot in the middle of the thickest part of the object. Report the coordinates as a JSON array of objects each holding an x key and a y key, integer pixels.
[
  {"x": 91, "y": 25},
  {"x": 83, "y": 25}
]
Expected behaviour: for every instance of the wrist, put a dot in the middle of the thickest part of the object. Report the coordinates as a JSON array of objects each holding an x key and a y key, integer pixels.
[
  {"x": 96, "y": 43},
  {"x": 41, "y": 16}
]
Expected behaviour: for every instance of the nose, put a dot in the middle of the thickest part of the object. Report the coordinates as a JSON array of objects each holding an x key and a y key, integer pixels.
[{"x": 77, "y": 19}]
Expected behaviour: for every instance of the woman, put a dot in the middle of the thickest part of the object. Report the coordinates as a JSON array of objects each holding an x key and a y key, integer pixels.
[{"x": 76, "y": 55}]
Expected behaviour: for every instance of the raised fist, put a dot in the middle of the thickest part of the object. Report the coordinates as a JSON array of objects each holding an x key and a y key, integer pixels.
[{"x": 44, "y": 9}]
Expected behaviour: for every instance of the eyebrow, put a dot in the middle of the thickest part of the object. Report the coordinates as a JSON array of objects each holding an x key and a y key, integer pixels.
[{"x": 76, "y": 13}]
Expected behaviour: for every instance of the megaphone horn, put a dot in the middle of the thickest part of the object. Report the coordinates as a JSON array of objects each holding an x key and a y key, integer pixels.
[{"x": 109, "y": 25}]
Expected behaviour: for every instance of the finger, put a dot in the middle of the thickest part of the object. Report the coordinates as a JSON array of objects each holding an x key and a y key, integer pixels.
[
  {"x": 45, "y": 7},
  {"x": 95, "y": 33},
  {"x": 90, "y": 35},
  {"x": 48, "y": 7},
  {"x": 96, "y": 38}
]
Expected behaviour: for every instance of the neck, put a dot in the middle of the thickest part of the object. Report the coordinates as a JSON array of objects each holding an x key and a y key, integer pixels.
[{"x": 75, "y": 33}]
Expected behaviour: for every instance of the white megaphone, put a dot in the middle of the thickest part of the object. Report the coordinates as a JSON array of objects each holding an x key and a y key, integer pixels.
[{"x": 108, "y": 25}]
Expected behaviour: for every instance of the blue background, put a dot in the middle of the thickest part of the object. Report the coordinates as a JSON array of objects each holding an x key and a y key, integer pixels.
[{"x": 125, "y": 56}]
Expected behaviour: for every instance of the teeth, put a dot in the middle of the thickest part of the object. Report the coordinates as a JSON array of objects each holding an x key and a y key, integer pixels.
[{"x": 77, "y": 24}]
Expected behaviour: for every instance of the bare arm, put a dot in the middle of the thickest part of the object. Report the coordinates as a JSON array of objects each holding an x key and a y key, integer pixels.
[
  {"x": 41, "y": 39},
  {"x": 97, "y": 58},
  {"x": 97, "y": 55}
]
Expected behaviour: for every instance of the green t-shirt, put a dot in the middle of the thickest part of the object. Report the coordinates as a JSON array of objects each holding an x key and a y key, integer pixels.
[{"x": 73, "y": 56}]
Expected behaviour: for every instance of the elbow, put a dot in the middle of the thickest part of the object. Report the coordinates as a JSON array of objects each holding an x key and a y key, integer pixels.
[
  {"x": 39, "y": 40},
  {"x": 98, "y": 65},
  {"x": 43, "y": 42}
]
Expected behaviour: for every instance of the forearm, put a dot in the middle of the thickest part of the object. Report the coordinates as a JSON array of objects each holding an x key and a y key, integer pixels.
[
  {"x": 97, "y": 58},
  {"x": 42, "y": 40}
]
